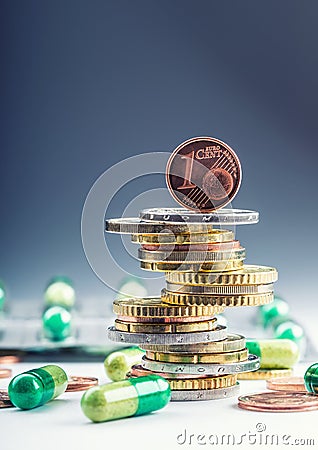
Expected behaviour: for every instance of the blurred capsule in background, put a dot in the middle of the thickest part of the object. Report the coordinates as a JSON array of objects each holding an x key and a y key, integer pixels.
[
  {"x": 37, "y": 386},
  {"x": 60, "y": 292},
  {"x": 126, "y": 398},
  {"x": 2, "y": 295},
  {"x": 274, "y": 353},
  {"x": 131, "y": 287},
  {"x": 279, "y": 308},
  {"x": 56, "y": 323},
  {"x": 119, "y": 363}
]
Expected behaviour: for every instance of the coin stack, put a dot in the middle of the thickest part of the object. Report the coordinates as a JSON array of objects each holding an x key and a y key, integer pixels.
[
  {"x": 205, "y": 272},
  {"x": 179, "y": 330}
]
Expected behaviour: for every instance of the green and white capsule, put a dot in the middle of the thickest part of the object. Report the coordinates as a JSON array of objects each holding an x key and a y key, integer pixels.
[
  {"x": 119, "y": 363},
  {"x": 274, "y": 353},
  {"x": 131, "y": 397},
  {"x": 37, "y": 386}
]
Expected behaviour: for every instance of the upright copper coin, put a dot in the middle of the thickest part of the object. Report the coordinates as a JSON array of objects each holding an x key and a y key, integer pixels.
[
  {"x": 203, "y": 174},
  {"x": 279, "y": 402},
  {"x": 291, "y": 384},
  {"x": 5, "y": 401},
  {"x": 80, "y": 383}
]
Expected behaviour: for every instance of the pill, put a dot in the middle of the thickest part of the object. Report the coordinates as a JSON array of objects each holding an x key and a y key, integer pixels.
[
  {"x": 289, "y": 330},
  {"x": 131, "y": 397},
  {"x": 278, "y": 308},
  {"x": 2, "y": 295},
  {"x": 60, "y": 292},
  {"x": 311, "y": 379},
  {"x": 56, "y": 323},
  {"x": 274, "y": 353},
  {"x": 131, "y": 287},
  {"x": 37, "y": 386},
  {"x": 119, "y": 363}
]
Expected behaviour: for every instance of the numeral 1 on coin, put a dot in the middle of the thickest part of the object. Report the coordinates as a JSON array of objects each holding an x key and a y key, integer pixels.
[{"x": 188, "y": 171}]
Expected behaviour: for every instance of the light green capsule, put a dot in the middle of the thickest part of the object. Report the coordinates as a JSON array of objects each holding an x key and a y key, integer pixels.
[
  {"x": 117, "y": 364},
  {"x": 274, "y": 353},
  {"x": 60, "y": 293},
  {"x": 126, "y": 398}
]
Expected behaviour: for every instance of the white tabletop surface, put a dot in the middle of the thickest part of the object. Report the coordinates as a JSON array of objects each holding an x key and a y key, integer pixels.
[{"x": 60, "y": 424}]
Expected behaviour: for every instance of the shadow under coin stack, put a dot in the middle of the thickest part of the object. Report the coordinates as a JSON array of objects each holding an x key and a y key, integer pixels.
[
  {"x": 179, "y": 331},
  {"x": 204, "y": 274}
]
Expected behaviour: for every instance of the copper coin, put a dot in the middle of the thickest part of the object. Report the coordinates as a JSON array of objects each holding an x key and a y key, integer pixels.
[
  {"x": 5, "y": 373},
  {"x": 203, "y": 174},
  {"x": 279, "y": 402},
  {"x": 9, "y": 359},
  {"x": 164, "y": 319},
  {"x": 221, "y": 246},
  {"x": 80, "y": 383},
  {"x": 291, "y": 384},
  {"x": 5, "y": 401}
]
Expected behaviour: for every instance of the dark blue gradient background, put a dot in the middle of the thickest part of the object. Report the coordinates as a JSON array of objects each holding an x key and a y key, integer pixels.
[{"x": 85, "y": 84}]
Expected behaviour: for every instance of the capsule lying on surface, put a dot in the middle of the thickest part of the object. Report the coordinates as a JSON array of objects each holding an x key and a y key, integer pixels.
[
  {"x": 119, "y": 363},
  {"x": 37, "y": 386},
  {"x": 131, "y": 397},
  {"x": 311, "y": 379},
  {"x": 274, "y": 353}
]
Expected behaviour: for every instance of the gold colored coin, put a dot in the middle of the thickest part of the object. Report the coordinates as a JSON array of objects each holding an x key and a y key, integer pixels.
[
  {"x": 263, "y": 374},
  {"x": 233, "y": 343},
  {"x": 227, "y": 289},
  {"x": 187, "y": 238},
  {"x": 203, "y": 383},
  {"x": 249, "y": 274},
  {"x": 210, "y": 358},
  {"x": 154, "y": 307},
  {"x": 132, "y": 327},
  {"x": 175, "y": 257},
  {"x": 174, "y": 298},
  {"x": 191, "y": 267}
]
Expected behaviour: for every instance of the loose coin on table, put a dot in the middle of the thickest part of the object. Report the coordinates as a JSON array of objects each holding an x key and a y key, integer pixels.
[
  {"x": 289, "y": 384},
  {"x": 178, "y": 298},
  {"x": 5, "y": 401},
  {"x": 203, "y": 173},
  {"x": 177, "y": 327},
  {"x": 249, "y": 274},
  {"x": 167, "y": 237},
  {"x": 252, "y": 363},
  {"x": 151, "y": 307},
  {"x": 232, "y": 343},
  {"x": 76, "y": 383},
  {"x": 204, "y": 394},
  {"x": 167, "y": 338},
  {"x": 265, "y": 374},
  {"x": 279, "y": 402},
  {"x": 5, "y": 373},
  {"x": 196, "y": 358},
  {"x": 9, "y": 359}
]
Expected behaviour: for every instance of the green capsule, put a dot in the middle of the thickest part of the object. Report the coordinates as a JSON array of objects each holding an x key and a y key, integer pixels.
[
  {"x": 277, "y": 309},
  {"x": 2, "y": 295},
  {"x": 56, "y": 323},
  {"x": 37, "y": 386},
  {"x": 289, "y": 330},
  {"x": 274, "y": 353},
  {"x": 131, "y": 397},
  {"x": 60, "y": 293},
  {"x": 117, "y": 364},
  {"x": 311, "y": 379}
]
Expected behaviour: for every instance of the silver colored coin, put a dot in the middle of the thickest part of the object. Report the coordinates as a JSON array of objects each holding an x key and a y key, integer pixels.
[
  {"x": 225, "y": 216},
  {"x": 251, "y": 364},
  {"x": 133, "y": 225},
  {"x": 205, "y": 394},
  {"x": 167, "y": 338},
  {"x": 232, "y": 343},
  {"x": 221, "y": 289},
  {"x": 191, "y": 256}
]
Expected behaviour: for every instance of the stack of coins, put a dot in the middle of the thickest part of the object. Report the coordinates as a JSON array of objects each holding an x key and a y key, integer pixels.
[{"x": 205, "y": 273}]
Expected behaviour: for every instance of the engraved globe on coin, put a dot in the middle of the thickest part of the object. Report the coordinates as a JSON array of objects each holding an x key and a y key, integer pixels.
[{"x": 203, "y": 174}]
